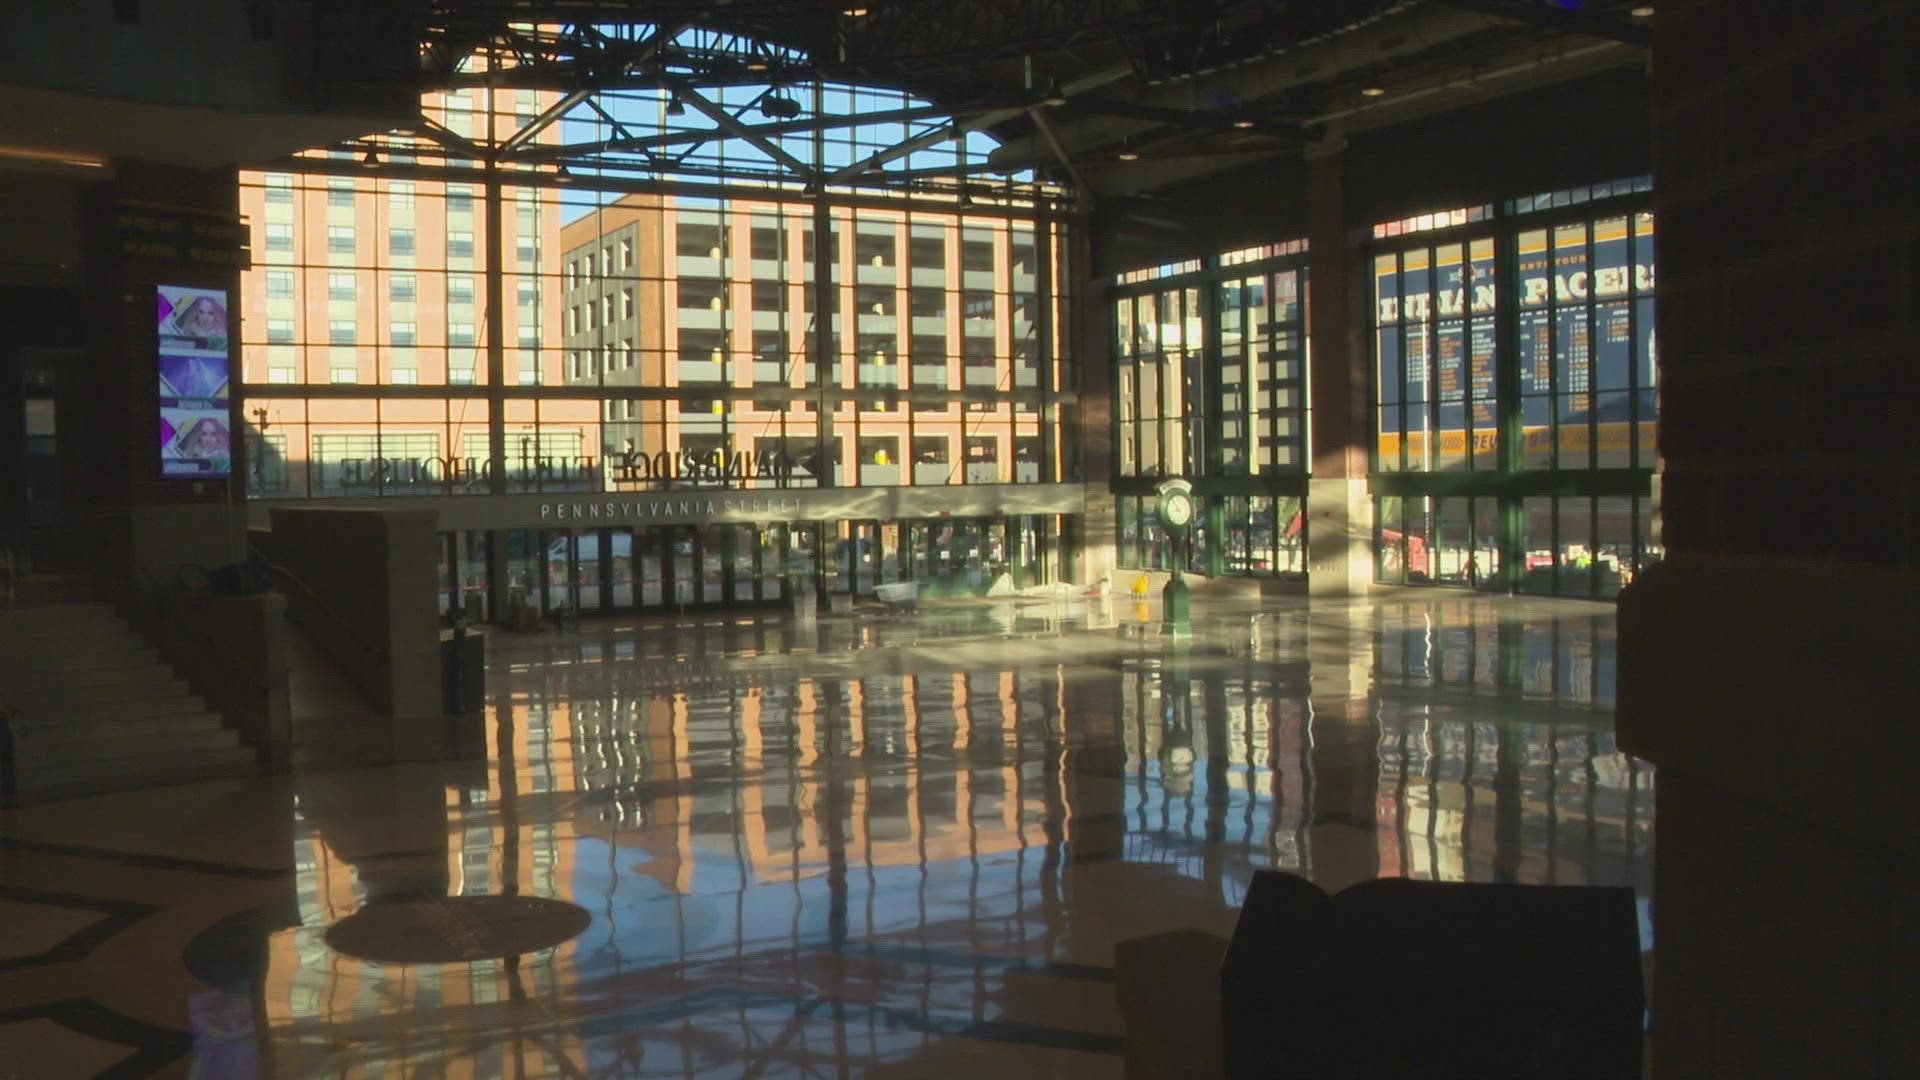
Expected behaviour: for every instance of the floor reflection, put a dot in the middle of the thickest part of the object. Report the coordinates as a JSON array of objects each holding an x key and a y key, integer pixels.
[{"x": 913, "y": 842}]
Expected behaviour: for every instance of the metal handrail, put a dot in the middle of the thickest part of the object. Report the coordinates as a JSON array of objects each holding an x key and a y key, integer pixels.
[{"x": 285, "y": 576}]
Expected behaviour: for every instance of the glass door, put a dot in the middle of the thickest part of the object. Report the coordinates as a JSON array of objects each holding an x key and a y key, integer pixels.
[
  {"x": 620, "y": 572},
  {"x": 772, "y": 542},
  {"x": 683, "y": 551},
  {"x": 559, "y": 570},
  {"x": 652, "y": 545},
  {"x": 587, "y": 575},
  {"x": 741, "y": 552},
  {"x": 863, "y": 554},
  {"x": 713, "y": 564}
]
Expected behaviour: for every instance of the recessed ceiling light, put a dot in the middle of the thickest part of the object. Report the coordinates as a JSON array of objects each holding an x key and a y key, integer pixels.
[
  {"x": 1373, "y": 91},
  {"x": 1243, "y": 123},
  {"x": 1644, "y": 11}
]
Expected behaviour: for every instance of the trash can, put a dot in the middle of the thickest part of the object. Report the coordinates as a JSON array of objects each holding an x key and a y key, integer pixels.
[{"x": 463, "y": 671}]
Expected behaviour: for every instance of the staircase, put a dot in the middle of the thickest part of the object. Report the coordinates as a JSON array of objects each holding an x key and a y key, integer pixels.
[{"x": 96, "y": 708}]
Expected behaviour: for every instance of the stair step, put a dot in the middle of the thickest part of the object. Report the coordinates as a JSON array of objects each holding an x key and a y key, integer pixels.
[
  {"x": 83, "y": 698},
  {"x": 122, "y": 773},
  {"x": 46, "y": 732},
  {"x": 35, "y": 753},
  {"x": 129, "y": 670},
  {"x": 134, "y": 712}
]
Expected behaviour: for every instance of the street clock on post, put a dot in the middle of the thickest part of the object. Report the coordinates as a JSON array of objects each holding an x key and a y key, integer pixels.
[{"x": 1175, "y": 511}]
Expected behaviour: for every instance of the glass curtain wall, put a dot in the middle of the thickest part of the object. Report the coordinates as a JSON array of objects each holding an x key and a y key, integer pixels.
[
  {"x": 1210, "y": 384},
  {"x": 1514, "y": 394},
  {"x": 739, "y": 314}
]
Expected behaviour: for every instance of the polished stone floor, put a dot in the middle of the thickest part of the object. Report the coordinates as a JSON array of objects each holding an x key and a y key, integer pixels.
[{"x": 890, "y": 846}]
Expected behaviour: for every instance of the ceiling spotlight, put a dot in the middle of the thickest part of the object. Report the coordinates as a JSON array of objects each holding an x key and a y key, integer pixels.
[
  {"x": 561, "y": 175},
  {"x": 1243, "y": 122},
  {"x": 1372, "y": 91},
  {"x": 1128, "y": 153},
  {"x": 1056, "y": 97},
  {"x": 756, "y": 64},
  {"x": 676, "y": 107},
  {"x": 853, "y": 11},
  {"x": 1644, "y": 11}
]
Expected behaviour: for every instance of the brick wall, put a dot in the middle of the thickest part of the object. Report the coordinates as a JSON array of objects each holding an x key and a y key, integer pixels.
[{"x": 1787, "y": 170}]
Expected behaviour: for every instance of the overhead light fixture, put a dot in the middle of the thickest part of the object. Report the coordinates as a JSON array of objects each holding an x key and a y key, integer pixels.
[
  {"x": 779, "y": 107},
  {"x": 854, "y": 11},
  {"x": 1644, "y": 11},
  {"x": 1127, "y": 152},
  {"x": 1056, "y": 97},
  {"x": 676, "y": 107},
  {"x": 561, "y": 175},
  {"x": 1243, "y": 122},
  {"x": 966, "y": 196},
  {"x": 1372, "y": 91},
  {"x": 372, "y": 158},
  {"x": 51, "y": 157},
  {"x": 756, "y": 64}
]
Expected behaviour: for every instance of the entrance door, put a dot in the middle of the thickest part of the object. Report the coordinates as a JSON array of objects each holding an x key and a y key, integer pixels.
[
  {"x": 862, "y": 555},
  {"x": 772, "y": 543},
  {"x": 587, "y": 576},
  {"x": 741, "y": 552},
  {"x": 652, "y": 563},
  {"x": 620, "y": 571},
  {"x": 683, "y": 552}
]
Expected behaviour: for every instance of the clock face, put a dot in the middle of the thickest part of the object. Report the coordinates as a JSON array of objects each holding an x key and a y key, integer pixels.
[{"x": 1179, "y": 510}]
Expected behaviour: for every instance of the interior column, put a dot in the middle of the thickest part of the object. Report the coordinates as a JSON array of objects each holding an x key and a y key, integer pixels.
[{"x": 1339, "y": 509}]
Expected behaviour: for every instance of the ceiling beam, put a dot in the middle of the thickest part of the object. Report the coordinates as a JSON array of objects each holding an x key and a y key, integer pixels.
[{"x": 1560, "y": 19}]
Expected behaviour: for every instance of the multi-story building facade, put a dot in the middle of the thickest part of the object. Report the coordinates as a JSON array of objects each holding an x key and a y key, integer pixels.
[{"x": 889, "y": 405}]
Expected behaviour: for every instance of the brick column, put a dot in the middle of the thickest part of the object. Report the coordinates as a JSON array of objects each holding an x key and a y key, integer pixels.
[
  {"x": 1768, "y": 667},
  {"x": 1339, "y": 509}
]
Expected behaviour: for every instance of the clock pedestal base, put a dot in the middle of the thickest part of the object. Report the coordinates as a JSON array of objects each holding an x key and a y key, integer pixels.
[{"x": 1173, "y": 605}]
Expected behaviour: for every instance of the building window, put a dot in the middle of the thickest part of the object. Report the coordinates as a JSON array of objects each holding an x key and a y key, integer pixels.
[
  {"x": 459, "y": 245},
  {"x": 279, "y": 284},
  {"x": 461, "y": 376},
  {"x": 279, "y": 188},
  {"x": 346, "y": 375},
  {"x": 279, "y": 237},
  {"x": 400, "y": 289},
  {"x": 280, "y": 375},
  {"x": 279, "y": 331},
  {"x": 400, "y": 241},
  {"x": 626, "y": 254},
  {"x": 460, "y": 333},
  {"x": 400, "y": 193},
  {"x": 400, "y": 333},
  {"x": 405, "y": 376},
  {"x": 573, "y": 320},
  {"x": 607, "y": 317},
  {"x": 340, "y": 286},
  {"x": 339, "y": 192},
  {"x": 459, "y": 199},
  {"x": 529, "y": 336},
  {"x": 340, "y": 240},
  {"x": 529, "y": 292},
  {"x": 340, "y": 332}
]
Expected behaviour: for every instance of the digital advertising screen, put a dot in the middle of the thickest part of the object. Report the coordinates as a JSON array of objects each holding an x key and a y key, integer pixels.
[{"x": 195, "y": 365}]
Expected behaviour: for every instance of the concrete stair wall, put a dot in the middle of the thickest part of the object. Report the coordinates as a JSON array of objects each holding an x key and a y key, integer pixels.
[{"x": 96, "y": 709}]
